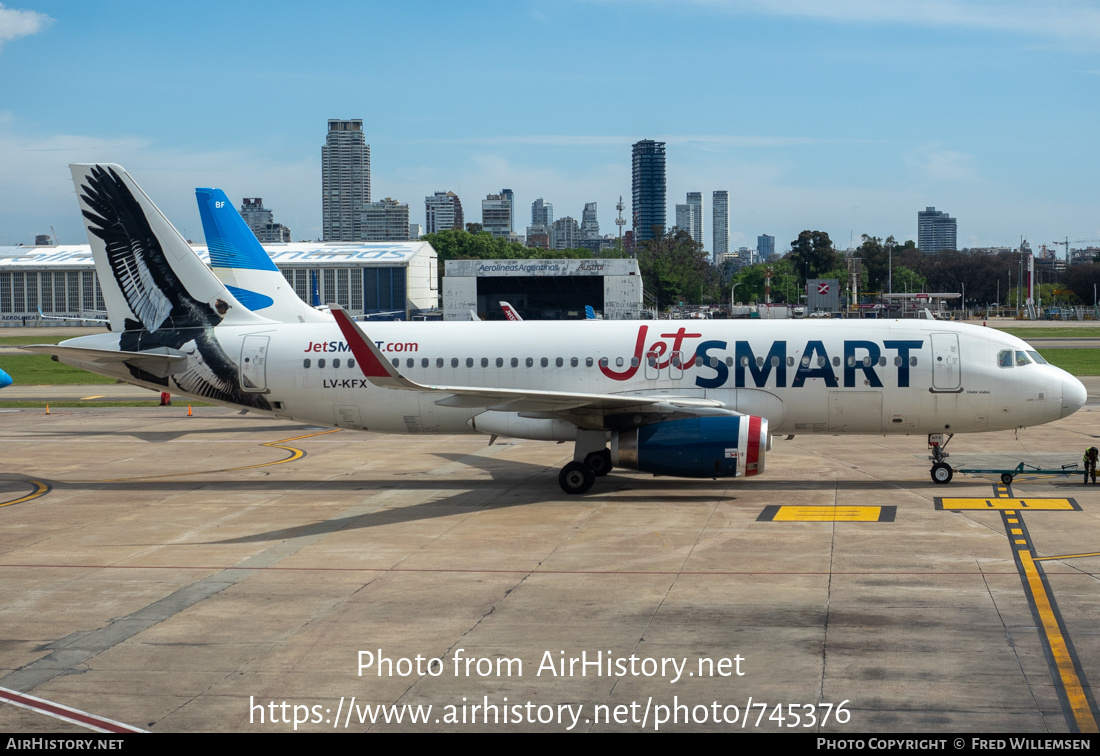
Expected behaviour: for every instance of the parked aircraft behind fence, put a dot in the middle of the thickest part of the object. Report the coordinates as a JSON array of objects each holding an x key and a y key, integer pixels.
[{"x": 690, "y": 399}]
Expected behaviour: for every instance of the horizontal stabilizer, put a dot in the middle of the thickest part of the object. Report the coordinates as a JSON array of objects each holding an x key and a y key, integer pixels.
[{"x": 160, "y": 362}]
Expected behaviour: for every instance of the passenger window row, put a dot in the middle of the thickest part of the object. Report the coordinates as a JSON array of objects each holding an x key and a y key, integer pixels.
[{"x": 321, "y": 362}]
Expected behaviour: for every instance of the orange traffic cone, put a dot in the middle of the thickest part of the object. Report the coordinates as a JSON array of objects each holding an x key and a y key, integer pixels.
[
  {"x": 189, "y": 410},
  {"x": 47, "y": 408}
]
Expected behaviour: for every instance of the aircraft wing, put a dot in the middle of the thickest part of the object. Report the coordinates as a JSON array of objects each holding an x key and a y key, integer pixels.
[{"x": 380, "y": 372}]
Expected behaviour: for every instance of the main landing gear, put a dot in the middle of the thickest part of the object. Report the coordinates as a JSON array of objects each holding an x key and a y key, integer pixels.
[
  {"x": 591, "y": 460},
  {"x": 941, "y": 471}
]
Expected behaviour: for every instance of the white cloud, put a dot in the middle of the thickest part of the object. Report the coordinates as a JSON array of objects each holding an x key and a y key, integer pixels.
[
  {"x": 36, "y": 189},
  {"x": 20, "y": 23},
  {"x": 943, "y": 166},
  {"x": 1071, "y": 19}
]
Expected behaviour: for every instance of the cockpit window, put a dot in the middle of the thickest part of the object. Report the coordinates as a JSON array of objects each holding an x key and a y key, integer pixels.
[
  {"x": 1022, "y": 359},
  {"x": 1004, "y": 358},
  {"x": 1037, "y": 357}
]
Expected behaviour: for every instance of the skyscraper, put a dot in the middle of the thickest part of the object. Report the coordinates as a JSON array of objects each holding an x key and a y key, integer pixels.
[
  {"x": 685, "y": 218},
  {"x": 648, "y": 185},
  {"x": 721, "y": 224},
  {"x": 695, "y": 199},
  {"x": 566, "y": 234},
  {"x": 507, "y": 194},
  {"x": 542, "y": 213},
  {"x": 345, "y": 180},
  {"x": 936, "y": 231},
  {"x": 590, "y": 227},
  {"x": 765, "y": 246},
  {"x": 442, "y": 211},
  {"x": 496, "y": 215}
]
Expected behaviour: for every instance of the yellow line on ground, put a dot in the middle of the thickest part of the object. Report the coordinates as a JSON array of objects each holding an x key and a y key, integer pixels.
[
  {"x": 40, "y": 489},
  {"x": 86, "y": 398},
  {"x": 1067, "y": 556},
  {"x": 1001, "y": 503},
  {"x": 295, "y": 454},
  {"x": 1071, "y": 683}
]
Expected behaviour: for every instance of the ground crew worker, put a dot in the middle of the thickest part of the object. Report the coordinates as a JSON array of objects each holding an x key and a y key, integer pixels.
[{"x": 1091, "y": 455}]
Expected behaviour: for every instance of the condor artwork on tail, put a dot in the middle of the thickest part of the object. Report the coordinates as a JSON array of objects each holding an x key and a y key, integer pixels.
[{"x": 694, "y": 399}]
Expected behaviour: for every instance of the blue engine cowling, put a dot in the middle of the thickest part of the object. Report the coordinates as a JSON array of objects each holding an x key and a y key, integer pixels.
[{"x": 699, "y": 447}]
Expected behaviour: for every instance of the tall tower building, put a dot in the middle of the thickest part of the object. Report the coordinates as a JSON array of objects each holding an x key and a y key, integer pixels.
[
  {"x": 765, "y": 247},
  {"x": 685, "y": 219},
  {"x": 442, "y": 211},
  {"x": 507, "y": 194},
  {"x": 345, "y": 180},
  {"x": 590, "y": 227},
  {"x": 542, "y": 213},
  {"x": 648, "y": 185},
  {"x": 496, "y": 215},
  {"x": 936, "y": 231},
  {"x": 695, "y": 199},
  {"x": 721, "y": 225}
]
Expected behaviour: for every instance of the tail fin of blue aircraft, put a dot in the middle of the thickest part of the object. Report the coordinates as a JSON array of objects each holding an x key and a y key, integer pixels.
[
  {"x": 5, "y": 379},
  {"x": 244, "y": 267},
  {"x": 589, "y": 312}
]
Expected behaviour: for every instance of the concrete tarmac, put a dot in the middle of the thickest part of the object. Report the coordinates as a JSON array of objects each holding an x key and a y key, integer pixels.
[{"x": 191, "y": 574}]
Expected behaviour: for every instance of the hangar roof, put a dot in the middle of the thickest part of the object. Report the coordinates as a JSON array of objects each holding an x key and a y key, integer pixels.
[{"x": 295, "y": 254}]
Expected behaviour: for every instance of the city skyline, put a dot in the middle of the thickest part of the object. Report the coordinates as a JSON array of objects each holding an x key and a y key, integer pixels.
[{"x": 820, "y": 125}]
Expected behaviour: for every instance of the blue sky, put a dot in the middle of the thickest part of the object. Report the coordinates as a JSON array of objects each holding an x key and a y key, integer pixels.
[{"x": 846, "y": 116}]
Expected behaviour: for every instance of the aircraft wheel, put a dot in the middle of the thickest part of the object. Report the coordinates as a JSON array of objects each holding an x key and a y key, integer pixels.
[
  {"x": 576, "y": 478},
  {"x": 1006, "y": 478},
  {"x": 942, "y": 473},
  {"x": 599, "y": 462}
]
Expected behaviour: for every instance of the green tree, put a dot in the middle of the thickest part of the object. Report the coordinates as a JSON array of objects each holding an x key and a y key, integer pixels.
[
  {"x": 786, "y": 285},
  {"x": 812, "y": 254},
  {"x": 676, "y": 269}
]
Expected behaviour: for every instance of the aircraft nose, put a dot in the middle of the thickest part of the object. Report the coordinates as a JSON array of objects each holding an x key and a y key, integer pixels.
[{"x": 1074, "y": 395}]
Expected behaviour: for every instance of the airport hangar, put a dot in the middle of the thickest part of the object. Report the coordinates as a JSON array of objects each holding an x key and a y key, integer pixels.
[
  {"x": 543, "y": 289},
  {"x": 387, "y": 280}
]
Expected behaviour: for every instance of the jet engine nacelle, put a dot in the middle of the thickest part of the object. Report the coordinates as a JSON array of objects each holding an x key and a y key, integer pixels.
[{"x": 698, "y": 447}]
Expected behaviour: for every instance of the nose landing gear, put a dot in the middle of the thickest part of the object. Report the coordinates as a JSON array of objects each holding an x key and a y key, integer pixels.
[{"x": 941, "y": 471}]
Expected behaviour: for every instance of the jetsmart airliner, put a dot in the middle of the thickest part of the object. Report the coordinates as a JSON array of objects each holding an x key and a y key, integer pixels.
[{"x": 697, "y": 399}]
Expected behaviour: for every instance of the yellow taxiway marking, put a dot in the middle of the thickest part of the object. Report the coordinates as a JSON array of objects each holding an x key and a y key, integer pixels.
[
  {"x": 1059, "y": 649},
  {"x": 996, "y": 503},
  {"x": 88, "y": 398},
  {"x": 792, "y": 513},
  {"x": 1067, "y": 556},
  {"x": 295, "y": 454},
  {"x": 40, "y": 489}
]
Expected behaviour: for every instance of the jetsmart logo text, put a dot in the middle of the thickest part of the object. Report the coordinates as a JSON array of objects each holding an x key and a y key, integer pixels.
[{"x": 383, "y": 346}]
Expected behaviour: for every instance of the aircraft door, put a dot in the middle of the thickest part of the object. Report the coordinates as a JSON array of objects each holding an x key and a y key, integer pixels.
[
  {"x": 253, "y": 367},
  {"x": 946, "y": 363}
]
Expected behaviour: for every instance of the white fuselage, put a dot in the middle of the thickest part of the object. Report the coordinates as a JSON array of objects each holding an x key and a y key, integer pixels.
[{"x": 876, "y": 377}]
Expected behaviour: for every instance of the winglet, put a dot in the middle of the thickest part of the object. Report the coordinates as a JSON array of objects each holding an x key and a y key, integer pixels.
[
  {"x": 372, "y": 362},
  {"x": 5, "y": 379}
]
